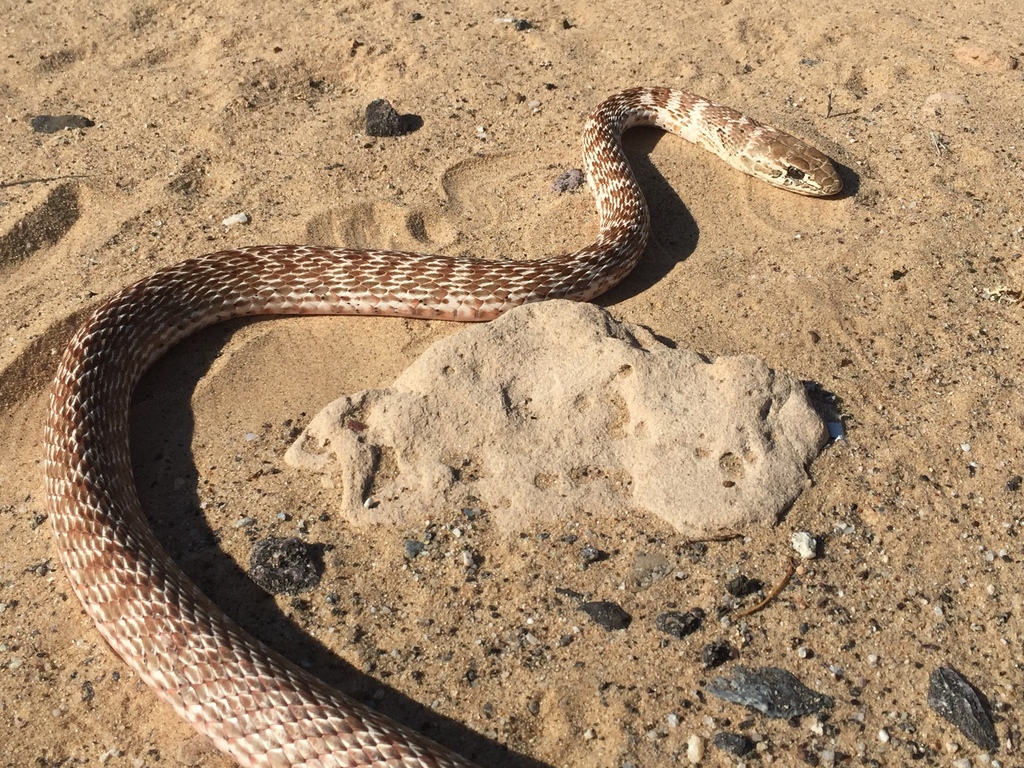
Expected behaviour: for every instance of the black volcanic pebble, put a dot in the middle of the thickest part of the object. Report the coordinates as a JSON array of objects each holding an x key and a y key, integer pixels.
[
  {"x": 715, "y": 654},
  {"x": 771, "y": 691},
  {"x": 678, "y": 623},
  {"x": 608, "y": 614},
  {"x": 955, "y": 699},
  {"x": 741, "y": 586},
  {"x": 382, "y": 119},
  {"x": 284, "y": 566},
  {"x": 736, "y": 743}
]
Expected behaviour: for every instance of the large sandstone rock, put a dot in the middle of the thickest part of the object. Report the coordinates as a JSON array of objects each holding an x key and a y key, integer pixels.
[{"x": 557, "y": 407}]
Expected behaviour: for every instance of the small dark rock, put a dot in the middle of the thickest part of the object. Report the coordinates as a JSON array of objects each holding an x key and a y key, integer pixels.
[
  {"x": 609, "y": 615},
  {"x": 680, "y": 624},
  {"x": 694, "y": 551},
  {"x": 1014, "y": 483},
  {"x": 958, "y": 701},
  {"x": 716, "y": 654},
  {"x": 771, "y": 691},
  {"x": 415, "y": 16},
  {"x": 591, "y": 554},
  {"x": 285, "y": 566},
  {"x": 521, "y": 25},
  {"x": 567, "y": 181},
  {"x": 741, "y": 586},
  {"x": 413, "y": 548},
  {"x": 55, "y": 123},
  {"x": 735, "y": 743},
  {"x": 383, "y": 120}
]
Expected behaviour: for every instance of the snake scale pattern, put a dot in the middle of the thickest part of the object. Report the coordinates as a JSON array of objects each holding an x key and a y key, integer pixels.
[{"x": 253, "y": 704}]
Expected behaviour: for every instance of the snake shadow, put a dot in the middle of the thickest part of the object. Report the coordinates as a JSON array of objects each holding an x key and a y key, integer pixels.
[
  {"x": 169, "y": 486},
  {"x": 674, "y": 232}
]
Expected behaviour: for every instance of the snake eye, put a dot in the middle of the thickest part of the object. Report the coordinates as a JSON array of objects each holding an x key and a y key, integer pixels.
[{"x": 795, "y": 173}]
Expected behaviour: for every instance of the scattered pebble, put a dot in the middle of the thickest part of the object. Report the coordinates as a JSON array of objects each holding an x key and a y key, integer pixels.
[
  {"x": 591, "y": 554},
  {"x": 771, "y": 691},
  {"x": 694, "y": 749},
  {"x": 413, "y": 548},
  {"x": 236, "y": 218},
  {"x": 567, "y": 181},
  {"x": 805, "y": 545},
  {"x": 383, "y": 120},
  {"x": 741, "y": 586},
  {"x": 608, "y": 614},
  {"x": 55, "y": 123},
  {"x": 716, "y": 654},
  {"x": 284, "y": 566},
  {"x": 955, "y": 699},
  {"x": 734, "y": 743},
  {"x": 678, "y": 623}
]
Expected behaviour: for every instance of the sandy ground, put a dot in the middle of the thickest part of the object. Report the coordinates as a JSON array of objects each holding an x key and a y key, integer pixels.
[{"x": 901, "y": 299}]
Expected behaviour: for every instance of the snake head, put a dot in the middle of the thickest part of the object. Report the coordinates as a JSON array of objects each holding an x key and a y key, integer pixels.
[{"x": 797, "y": 166}]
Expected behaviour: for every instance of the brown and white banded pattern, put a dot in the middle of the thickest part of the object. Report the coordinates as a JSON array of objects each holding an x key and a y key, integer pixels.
[{"x": 251, "y": 702}]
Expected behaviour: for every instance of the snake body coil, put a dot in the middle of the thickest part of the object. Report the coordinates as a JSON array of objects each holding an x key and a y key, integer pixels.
[{"x": 252, "y": 703}]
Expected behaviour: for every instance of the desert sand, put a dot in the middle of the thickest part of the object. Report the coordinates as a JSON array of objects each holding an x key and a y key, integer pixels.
[{"x": 900, "y": 301}]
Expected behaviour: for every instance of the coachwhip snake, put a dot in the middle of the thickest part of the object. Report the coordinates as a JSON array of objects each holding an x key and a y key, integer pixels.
[{"x": 251, "y": 702}]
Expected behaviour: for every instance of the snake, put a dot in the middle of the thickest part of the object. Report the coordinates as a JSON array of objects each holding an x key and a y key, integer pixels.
[{"x": 250, "y": 701}]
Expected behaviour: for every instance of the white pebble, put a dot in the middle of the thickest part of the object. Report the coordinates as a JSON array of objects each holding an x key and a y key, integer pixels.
[
  {"x": 589, "y": 735},
  {"x": 805, "y": 545},
  {"x": 883, "y": 736},
  {"x": 961, "y": 762},
  {"x": 236, "y": 218},
  {"x": 694, "y": 749},
  {"x": 672, "y": 719}
]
